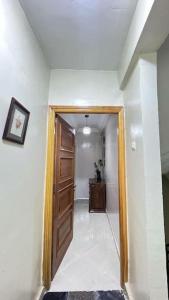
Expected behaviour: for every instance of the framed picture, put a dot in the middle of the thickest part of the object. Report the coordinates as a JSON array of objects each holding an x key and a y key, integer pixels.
[{"x": 16, "y": 123}]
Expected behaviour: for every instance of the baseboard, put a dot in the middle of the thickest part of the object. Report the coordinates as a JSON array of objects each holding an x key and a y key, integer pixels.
[
  {"x": 40, "y": 293},
  {"x": 87, "y": 199}
]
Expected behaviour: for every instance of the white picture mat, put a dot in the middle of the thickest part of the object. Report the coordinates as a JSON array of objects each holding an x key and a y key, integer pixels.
[{"x": 18, "y": 123}]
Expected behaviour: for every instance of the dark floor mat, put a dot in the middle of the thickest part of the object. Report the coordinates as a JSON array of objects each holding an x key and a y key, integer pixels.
[
  {"x": 99, "y": 295},
  {"x": 54, "y": 296}
]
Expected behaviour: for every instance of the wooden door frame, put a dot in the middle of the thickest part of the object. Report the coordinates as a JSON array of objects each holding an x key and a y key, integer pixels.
[{"x": 47, "y": 248}]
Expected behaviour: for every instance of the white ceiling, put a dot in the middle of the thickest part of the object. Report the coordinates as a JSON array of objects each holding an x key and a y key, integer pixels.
[
  {"x": 95, "y": 121},
  {"x": 81, "y": 34}
]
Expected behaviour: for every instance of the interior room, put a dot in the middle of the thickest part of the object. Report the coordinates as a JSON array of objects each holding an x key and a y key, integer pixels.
[{"x": 92, "y": 260}]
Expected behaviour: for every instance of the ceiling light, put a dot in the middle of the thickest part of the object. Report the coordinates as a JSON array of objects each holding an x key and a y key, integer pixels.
[{"x": 86, "y": 129}]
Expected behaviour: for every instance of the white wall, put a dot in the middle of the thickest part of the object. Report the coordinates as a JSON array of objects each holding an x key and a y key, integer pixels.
[
  {"x": 137, "y": 25},
  {"x": 74, "y": 87},
  {"x": 24, "y": 75},
  {"x": 154, "y": 199},
  {"x": 111, "y": 175},
  {"x": 163, "y": 102},
  {"x": 147, "y": 269},
  {"x": 88, "y": 150},
  {"x": 138, "y": 278},
  {"x": 144, "y": 36}
]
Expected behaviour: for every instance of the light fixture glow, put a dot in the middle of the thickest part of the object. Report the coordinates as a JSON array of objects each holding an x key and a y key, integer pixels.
[{"x": 86, "y": 130}]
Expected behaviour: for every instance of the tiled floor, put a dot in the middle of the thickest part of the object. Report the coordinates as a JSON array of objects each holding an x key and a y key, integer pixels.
[{"x": 91, "y": 262}]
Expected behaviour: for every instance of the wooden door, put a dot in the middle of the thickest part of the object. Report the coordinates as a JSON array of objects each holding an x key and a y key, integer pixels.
[{"x": 63, "y": 191}]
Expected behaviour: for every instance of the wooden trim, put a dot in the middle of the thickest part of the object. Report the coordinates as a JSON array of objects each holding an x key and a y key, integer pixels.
[
  {"x": 87, "y": 109},
  {"x": 49, "y": 186},
  {"x": 122, "y": 201},
  {"x": 47, "y": 250}
]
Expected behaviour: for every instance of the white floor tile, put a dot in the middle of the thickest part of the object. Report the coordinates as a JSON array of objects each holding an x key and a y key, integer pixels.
[{"x": 91, "y": 262}]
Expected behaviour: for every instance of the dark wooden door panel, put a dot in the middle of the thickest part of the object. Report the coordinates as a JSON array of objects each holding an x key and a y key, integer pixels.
[
  {"x": 64, "y": 229},
  {"x": 65, "y": 199},
  {"x": 67, "y": 140},
  {"x": 66, "y": 167},
  {"x": 63, "y": 191}
]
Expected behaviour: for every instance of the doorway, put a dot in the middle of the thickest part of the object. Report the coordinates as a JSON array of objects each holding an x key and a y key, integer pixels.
[{"x": 48, "y": 228}]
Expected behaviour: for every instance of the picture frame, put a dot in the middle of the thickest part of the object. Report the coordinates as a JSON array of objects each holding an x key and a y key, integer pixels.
[{"x": 16, "y": 123}]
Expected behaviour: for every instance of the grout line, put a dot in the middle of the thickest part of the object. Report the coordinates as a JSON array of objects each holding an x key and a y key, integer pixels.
[
  {"x": 125, "y": 291},
  {"x": 113, "y": 236}
]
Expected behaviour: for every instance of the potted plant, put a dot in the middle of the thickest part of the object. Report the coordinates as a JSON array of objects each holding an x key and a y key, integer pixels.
[{"x": 98, "y": 167}]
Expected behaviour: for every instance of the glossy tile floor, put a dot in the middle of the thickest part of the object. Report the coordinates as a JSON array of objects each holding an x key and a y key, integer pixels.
[{"x": 91, "y": 262}]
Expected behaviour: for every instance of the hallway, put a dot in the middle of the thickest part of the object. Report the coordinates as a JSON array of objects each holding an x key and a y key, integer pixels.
[
  {"x": 91, "y": 262},
  {"x": 72, "y": 58}
]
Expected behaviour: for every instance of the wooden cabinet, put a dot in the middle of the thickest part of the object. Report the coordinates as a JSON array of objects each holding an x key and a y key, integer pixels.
[{"x": 97, "y": 196}]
